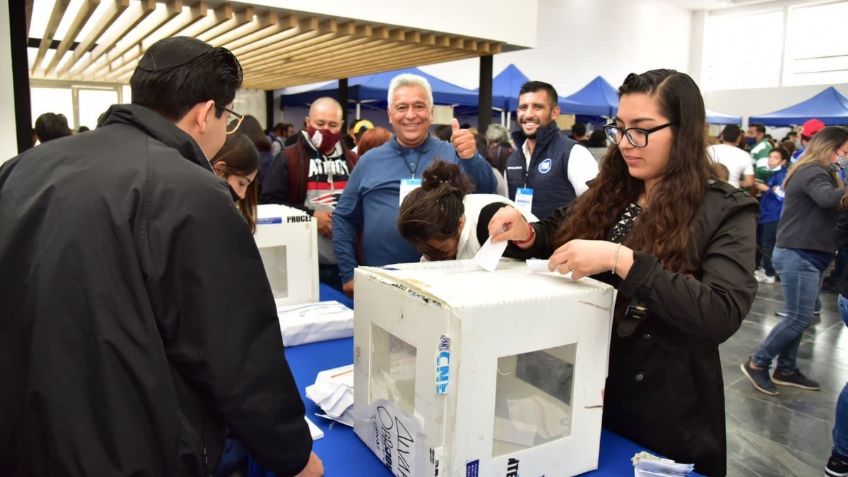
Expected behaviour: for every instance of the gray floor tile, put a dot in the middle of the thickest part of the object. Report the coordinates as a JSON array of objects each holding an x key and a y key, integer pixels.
[{"x": 790, "y": 434}]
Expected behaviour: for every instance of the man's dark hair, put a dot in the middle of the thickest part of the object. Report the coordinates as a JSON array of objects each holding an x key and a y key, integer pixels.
[
  {"x": 172, "y": 90},
  {"x": 578, "y": 130},
  {"x": 730, "y": 133},
  {"x": 758, "y": 127},
  {"x": 535, "y": 86},
  {"x": 51, "y": 126}
]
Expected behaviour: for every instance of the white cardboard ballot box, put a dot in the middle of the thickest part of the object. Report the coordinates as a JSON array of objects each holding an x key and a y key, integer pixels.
[
  {"x": 463, "y": 372},
  {"x": 288, "y": 243}
]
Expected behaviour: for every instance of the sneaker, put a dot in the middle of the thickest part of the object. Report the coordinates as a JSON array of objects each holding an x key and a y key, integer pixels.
[
  {"x": 765, "y": 279},
  {"x": 759, "y": 274},
  {"x": 759, "y": 378},
  {"x": 794, "y": 379},
  {"x": 783, "y": 314},
  {"x": 836, "y": 467}
]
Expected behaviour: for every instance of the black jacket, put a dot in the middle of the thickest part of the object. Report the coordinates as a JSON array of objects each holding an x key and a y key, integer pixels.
[
  {"x": 285, "y": 182},
  {"x": 548, "y": 172},
  {"x": 136, "y": 319},
  {"x": 664, "y": 388},
  {"x": 811, "y": 203}
]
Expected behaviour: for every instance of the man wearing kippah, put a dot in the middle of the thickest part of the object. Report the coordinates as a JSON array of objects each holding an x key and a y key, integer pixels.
[{"x": 136, "y": 320}]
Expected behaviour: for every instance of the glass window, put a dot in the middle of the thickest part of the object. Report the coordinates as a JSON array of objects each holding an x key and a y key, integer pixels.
[
  {"x": 816, "y": 47},
  {"x": 533, "y": 398},
  {"x": 52, "y": 100},
  {"x": 743, "y": 51},
  {"x": 93, "y": 103},
  {"x": 392, "y": 369}
]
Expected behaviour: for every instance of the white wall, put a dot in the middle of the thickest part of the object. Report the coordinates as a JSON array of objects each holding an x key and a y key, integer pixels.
[
  {"x": 8, "y": 131},
  {"x": 251, "y": 102},
  {"x": 581, "y": 39}
]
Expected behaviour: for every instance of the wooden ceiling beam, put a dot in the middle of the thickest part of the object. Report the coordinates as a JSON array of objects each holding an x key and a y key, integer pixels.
[
  {"x": 82, "y": 16},
  {"x": 59, "y": 7},
  {"x": 112, "y": 12},
  {"x": 146, "y": 6}
]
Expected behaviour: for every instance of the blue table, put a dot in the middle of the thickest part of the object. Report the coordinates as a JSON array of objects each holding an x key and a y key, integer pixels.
[{"x": 341, "y": 450}]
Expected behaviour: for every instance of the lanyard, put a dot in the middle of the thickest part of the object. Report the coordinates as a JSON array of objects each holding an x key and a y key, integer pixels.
[{"x": 409, "y": 166}]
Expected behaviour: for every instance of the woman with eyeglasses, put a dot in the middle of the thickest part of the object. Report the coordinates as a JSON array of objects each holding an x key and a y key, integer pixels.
[
  {"x": 679, "y": 247},
  {"x": 237, "y": 162}
]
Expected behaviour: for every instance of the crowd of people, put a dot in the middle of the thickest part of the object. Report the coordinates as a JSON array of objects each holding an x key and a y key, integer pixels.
[{"x": 146, "y": 312}]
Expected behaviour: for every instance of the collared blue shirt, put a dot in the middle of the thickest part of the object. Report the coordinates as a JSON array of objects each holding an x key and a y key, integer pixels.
[{"x": 369, "y": 203}]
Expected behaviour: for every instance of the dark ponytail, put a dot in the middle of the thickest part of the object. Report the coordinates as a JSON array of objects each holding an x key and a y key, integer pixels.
[{"x": 433, "y": 211}]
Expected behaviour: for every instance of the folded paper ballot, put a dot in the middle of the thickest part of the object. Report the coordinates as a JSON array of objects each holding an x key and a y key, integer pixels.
[
  {"x": 333, "y": 393},
  {"x": 316, "y": 431},
  {"x": 648, "y": 465},
  {"x": 540, "y": 266},
  {"x": 490, "y": 254},
  {"x": 311, "y": 322}
]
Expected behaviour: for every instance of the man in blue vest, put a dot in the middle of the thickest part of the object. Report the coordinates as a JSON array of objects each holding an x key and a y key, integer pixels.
[{"x": 547, "y": 170}]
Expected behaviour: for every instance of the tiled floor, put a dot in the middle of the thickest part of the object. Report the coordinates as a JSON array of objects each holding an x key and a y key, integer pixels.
[{"x": 789, "y": 434}]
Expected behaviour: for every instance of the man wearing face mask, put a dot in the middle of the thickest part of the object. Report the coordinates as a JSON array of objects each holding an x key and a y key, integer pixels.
[
  {"x": 759, "y": 148},
  {"x": 311, "y": 175}
]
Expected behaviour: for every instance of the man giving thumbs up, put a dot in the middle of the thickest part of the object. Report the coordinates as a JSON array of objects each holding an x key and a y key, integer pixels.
[{"x": 384, "y": 175}]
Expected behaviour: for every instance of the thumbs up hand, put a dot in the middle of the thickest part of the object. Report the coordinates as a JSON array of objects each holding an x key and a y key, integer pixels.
[{"x": 463, "y": 141}]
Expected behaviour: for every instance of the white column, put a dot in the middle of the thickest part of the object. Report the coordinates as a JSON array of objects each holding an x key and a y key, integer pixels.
[{"x": 8, "y": 131}]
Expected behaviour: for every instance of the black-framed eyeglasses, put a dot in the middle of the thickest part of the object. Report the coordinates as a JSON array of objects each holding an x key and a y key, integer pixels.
[
  {"x": 638, "y": 137},
  {"x": 236, "y": 119}
]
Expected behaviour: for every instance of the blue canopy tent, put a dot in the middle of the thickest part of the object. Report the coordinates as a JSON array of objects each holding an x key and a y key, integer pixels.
[
  {"x": 830, "y": 106},
  {"x": 373, "y": 89},
  {"x": 720, "y": 118},
  {"x": 505, "y": 87},
  {"x": 598, "y": 98}
]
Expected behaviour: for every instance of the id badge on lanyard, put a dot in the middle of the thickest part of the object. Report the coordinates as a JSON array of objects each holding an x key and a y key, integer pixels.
[
  {"x": 524, "y": 200},
  {"x": 407, "y": 186}
]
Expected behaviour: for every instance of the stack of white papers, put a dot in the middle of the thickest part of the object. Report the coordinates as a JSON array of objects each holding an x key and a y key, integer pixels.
[
  {"x": 311, "y": 322},
  {"x": 333, "y": 393},
  {"x": 648, "y": 465}
]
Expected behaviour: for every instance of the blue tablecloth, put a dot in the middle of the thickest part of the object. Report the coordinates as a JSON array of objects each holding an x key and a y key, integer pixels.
[{"x": 342, "y": 451}]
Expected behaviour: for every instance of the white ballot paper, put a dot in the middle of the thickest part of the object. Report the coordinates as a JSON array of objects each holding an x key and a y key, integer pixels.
[
  {"x": 538, "y": 265},
  {"x": 333, "y": 393},
  {"x": 648, "y": 465},
  {"x": 311, "y": 322},
  {"x": 490, "y": 254},
  {"x": 316, "y": 431}
]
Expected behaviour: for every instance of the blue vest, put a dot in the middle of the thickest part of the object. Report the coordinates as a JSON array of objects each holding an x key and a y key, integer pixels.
[{"x": 548, "y": 171}]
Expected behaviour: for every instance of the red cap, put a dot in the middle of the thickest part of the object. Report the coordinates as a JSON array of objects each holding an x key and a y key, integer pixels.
[{"x": 811, "y": 127}]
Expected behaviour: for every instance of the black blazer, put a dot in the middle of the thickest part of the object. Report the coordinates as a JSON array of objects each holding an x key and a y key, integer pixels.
[{"x": 664, "y": 389}]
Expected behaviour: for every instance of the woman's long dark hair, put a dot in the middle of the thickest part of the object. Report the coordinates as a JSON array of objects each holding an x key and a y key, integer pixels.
[
  {"x": 239, "y": 157},
  {"x": 664, "y": 228},
  {"x": 432, "y": 211},
  {"x": 253, "y": 130}
]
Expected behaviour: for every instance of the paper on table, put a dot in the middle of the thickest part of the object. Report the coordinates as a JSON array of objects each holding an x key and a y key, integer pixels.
[
  {"x": 316, "y": 431},
  {"x": 646, "y": 464},
  {"x": 333, "y": 393},
  {"x": 311, "y": 322},
  {"x": 490, "y": 254}
]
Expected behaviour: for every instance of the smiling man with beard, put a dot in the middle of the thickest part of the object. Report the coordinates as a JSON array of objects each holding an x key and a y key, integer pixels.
[
  {"x": 551, "y": 169},
  {"x": 384, "y": 175}
]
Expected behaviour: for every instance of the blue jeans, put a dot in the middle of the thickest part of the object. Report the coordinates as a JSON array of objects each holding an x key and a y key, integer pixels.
[
  {"x": 840, "y": 429},
  {"x": 800, "y": 280}
]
